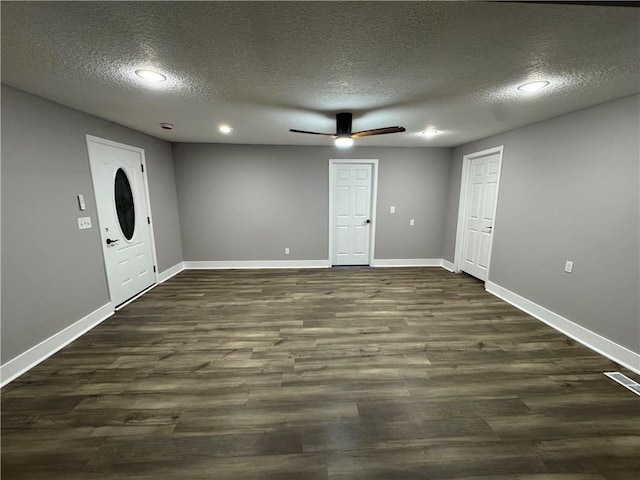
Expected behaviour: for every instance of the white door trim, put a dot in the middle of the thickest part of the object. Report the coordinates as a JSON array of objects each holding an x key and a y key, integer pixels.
[
  {"x": 374, "y": 201},
  {"x": 145, "y": 184},
  {"x": 464, "y": 196}
]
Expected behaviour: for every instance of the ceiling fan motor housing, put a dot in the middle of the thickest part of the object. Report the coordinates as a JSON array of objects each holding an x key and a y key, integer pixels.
[{"x": 343, "y": 124}]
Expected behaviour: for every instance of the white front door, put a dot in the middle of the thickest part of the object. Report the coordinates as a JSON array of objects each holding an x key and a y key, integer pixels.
[
  {"x": 482, "y": 195},
  {"x": 351, "y": 213},
  {"x": 118, "y": 183}
]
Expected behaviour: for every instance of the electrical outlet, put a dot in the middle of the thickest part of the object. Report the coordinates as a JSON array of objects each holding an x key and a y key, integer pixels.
[
  {"x": 412, "y": 222},
  {"x": 568, "y": 266},
  {"x": 392, "y": 209},
  {"x": 84, "y": 223},
  {"x": 286, "y": 251}
]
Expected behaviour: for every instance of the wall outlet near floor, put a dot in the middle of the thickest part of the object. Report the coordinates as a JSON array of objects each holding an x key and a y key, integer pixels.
[
  {"x": 84, "y": 223},
  {"x": 568, "y": 266},
  {"x": 286, "y": 251},
  {"x": 392, "y": 209},
  {"x": 412, "y": 222}
]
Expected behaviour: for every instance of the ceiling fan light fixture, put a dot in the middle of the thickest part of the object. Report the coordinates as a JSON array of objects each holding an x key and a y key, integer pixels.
[
  {"x": 532, "y": 87},
  {"x": 344, "y": 142},
  {"x": 151, "y": 75},
  {"x": 344, "y": 135}
]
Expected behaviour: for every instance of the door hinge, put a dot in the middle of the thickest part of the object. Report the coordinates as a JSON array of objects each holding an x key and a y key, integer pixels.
[
  {"x": 142, "y": 167},
  {"x": 154, "y": 268},
  {"x": 149, "y": 220}
]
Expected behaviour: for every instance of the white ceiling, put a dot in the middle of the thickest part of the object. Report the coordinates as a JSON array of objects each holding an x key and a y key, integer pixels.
[{"x": 265, "y": 67}]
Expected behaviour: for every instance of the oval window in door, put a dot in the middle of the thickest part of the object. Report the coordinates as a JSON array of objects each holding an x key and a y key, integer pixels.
[{"x": 124, "y": 204}]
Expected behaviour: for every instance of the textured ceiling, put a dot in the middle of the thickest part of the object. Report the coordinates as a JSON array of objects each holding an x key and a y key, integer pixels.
[{"x": 265, "y": 67}]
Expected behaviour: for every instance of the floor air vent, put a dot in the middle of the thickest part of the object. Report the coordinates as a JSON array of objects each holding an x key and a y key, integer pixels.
[{"x": 624, "y": 381}]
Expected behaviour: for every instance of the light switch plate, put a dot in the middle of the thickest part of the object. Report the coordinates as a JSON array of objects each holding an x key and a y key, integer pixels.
[
  {"x": 568, "y": 266},
  {"x": 412, "y": 222},
  {"x": 84, "y": 223}
]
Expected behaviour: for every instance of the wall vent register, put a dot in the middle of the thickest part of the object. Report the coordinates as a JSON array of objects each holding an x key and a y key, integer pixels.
[{"x": 625, "y": 381}]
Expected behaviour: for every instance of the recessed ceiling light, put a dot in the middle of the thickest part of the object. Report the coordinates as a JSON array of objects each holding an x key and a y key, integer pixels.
[
  {"x": 344, "y": 142},
  {"x": 151, "y": 75},
  {"x": 533, "y": 86},
  {"x": 226, "y": 129}
]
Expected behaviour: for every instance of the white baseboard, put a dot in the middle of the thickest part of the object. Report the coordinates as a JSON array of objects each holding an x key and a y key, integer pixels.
[
  {"x": 592, "y": 340},
  {"x": 257, "y": 264},
  {"x": 170, "y": 272},
  {"x": 406, "y": 262},
  {"x": 35, "y": 355},
  {"x": 447, "y": 265},
  {"x": 29, "y": 359}
]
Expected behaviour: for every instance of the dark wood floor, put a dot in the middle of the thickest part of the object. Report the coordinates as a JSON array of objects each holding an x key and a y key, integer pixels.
[{"x": 335, "y": 374}]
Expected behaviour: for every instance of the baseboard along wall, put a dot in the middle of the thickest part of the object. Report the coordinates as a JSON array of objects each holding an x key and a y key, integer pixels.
[
  {"x": 447, "y": 265},
  {"x": 40, "y": 352},
  {"x": 254, "y": 264},
  {"x": 37, "y": 354},
  {"x": 170, "y": 272},
  {"x": 407, "y": 262},
  {"x": 592, "y": 340}
]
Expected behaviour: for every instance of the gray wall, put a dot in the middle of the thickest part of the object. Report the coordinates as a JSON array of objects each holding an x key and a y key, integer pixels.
[
  {"x": 249, "y": 202},
  {"x": 53, "y": 273},
  {"x": 569, "y": 191}
]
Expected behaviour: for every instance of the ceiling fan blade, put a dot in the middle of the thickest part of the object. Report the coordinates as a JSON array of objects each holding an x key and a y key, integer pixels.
[
  {"x": 377, "y": 131},
  {"x": 311, "y": 133}
]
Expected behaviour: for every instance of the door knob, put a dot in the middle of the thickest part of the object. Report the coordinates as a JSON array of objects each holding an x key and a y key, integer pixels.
[
  {"x": 368, "y": 221},
  {"x": 109, "y": 241}
]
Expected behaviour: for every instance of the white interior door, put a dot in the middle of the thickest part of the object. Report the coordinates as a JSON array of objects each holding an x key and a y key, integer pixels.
[
  {"x": 351, "y": 213},
  {"x": 482, "y": 195},
  {"x": 118, "y": 183}
]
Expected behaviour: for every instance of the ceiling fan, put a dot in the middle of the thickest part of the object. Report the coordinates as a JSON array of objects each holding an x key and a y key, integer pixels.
[{"x": 344, "y": 136}]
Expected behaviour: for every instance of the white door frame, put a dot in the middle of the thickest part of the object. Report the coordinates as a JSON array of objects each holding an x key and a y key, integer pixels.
[
  {"x": 374, "y": 201},
  {"x": 145, "y": 185},
  {"x": 464, "y": 197}
]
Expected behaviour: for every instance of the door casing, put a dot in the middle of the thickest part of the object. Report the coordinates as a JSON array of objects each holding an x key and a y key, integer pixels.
[
  {"x": 464, "y": 198},
  {"x": 145, "y": 185},
  {"x": 374, "y": 201}
]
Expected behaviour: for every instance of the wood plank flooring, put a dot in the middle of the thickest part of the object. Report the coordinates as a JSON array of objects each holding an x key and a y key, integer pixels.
[{"x": 337, "y": 374}]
